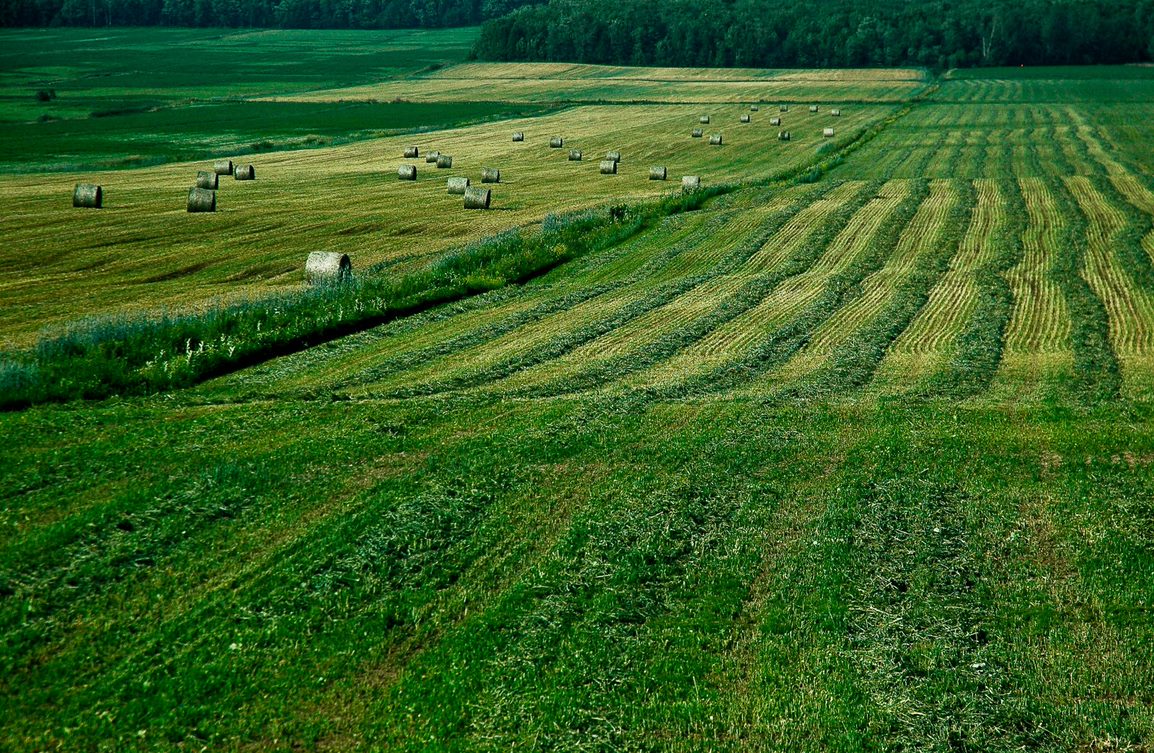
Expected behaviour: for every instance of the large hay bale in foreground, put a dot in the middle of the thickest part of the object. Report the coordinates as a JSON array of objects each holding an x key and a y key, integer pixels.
[
  {"x": 745, "y": 119},
  {"x": 827, "y": 132},
  {"x": 813, "y": 108},
  {"x": 775, "y": 121},
  {"x": 88, "y": 196},
  {"x": 690, "y": 183},
  {"x": 704, "y": 120},
  {"x": 715, "y": 140},
  {"x": 698, "y": 133},
  {"x": 207, "y": 179},
  {"x": 477, "y": 198},
  {"x": 614, "y": 155},
  {"x": 412, "y": 152},
  {"x": 457, "y": 186},
  {"x": 575, "y": 155},
  {"x": 608, "y": 167},
  {"x": 222, "y": 167},
  {"x": 201, "y": 200},
  {"x": 658, "y": 173},
  {"x": 327, "y": 267},
  {"x": 444, "y": 161},
  {"x": 490, "y": 175},
  {"x": 556, "y": 142},
  {"x": 518, "y": 135},
  {"x": 783, "y": 136},
  {"x": 407, "y": 172},
  {"x": 244, "y": 172},
  {"x": 432, "y": 157}
]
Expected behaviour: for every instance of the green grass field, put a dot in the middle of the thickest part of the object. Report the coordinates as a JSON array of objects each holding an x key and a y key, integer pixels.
[{"x": 856, "y": 456}]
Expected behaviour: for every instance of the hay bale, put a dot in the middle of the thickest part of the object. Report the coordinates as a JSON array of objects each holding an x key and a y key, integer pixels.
[
  {"x": 690, "y": 183},
  {"x": 658, "y": 173},
  {"x": 556, "y": 142},
  {"x": 745, "y": 118},
  {"x": 88, "y": 196},
  {"x": 783, "y": 135},
  {"x": 457, "y": 186},
  {"x": 327, "y": 267},
  {"x": 715, "y": 140},
  {"x": 412, "y": 152},
  {"x": 477, "y": 198},
  {"x": 444, "y": 161},
  {"x": 698, "y": 133},
  {"x": 431, "y": 158},
  {"x": 608, "y": 167},
  {"x": 813, "y": 108},
  {"x": 754, "y": 108},
  {"x": 244, "y": 172},
  {"x": 490, "y": 175},
  {"x": 518, "y": 136},
  {"x": 704, "y": 120},
  {"x": 207, "y": 179},
  {"x": 784, "y": 108},
  {"x": 407, "y": 172},
  {"x": 835, "y": 113},
  {"x": 827, "y": 132},
  {"x": 201, "y": 200},
  {"x": 222, "y": 167},
  {"x": 575, "y": 155},
  {"x": 614, "y": 155},
  {"x": 775, "y": 121}
]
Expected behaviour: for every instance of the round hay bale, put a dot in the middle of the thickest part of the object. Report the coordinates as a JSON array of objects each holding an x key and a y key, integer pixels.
[
  {"x": 244, "y": 172},
  {"x": 412, "y": 152},
  {"x": 745, "y": 118},
  {"x": 431, "y": 157},
  {"x": 201, "y": 200},
  {"x": 222, "y": 167},
  {"x": 715, "y": 140},
  {"x": 827, "y": 132},
  {"x": 698, "y": 133},
  {"x": 518, "y": 136},
  {"x": 444, "y": 161},
  {"x": 813, "y": 108},
  {"x": 490, "y": 175},
  {"x": 614, "y": 155},
  {"x": 88, "y": 195},
  {"x": 575, "y": 155},
  {"x": 783, "y": 135},
  {"x": 608, "y": 167},
  {"x": 556, "y": 142},
  {"x": 690, "y": 183},
  {"x": 658, "y": 173},
  {"x": 704, "y": 120},
  {"x": 327, "y": 267},
  {"x": 784, "y": 108},
  {"x": 457, "y": 186},
  {"x": 207, "y": 179},
  {"x": 775, "y": 121},
  {"x": 407, "y": 172},
  {"x": 478, "y": 198},
  {"x": 835, "y": 113},
  {"x": 754, "y": 108}
]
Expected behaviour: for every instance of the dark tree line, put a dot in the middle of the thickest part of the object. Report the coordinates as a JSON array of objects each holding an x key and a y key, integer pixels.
[
  {"x": 830, "y": 33},
  {"x": 319, "y": 14}
]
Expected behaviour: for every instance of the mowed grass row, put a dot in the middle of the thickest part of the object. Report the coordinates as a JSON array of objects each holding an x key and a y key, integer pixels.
[
  {"x": 576, "y": 574},
  {"x": 144, "y": 252}
]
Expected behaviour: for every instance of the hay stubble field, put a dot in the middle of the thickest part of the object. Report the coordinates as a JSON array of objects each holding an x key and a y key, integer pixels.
[{"x": 855, "y": 457}]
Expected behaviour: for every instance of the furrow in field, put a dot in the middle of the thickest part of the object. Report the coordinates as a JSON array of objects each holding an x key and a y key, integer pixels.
[
  {"x": 741, "y": 334},
  {"x": 1130, "y": 307},
  {"x": 670, "y": 326},
  {"x": 922, "y": 236}
]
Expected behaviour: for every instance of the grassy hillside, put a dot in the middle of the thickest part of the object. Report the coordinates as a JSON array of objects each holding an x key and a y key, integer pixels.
[{"x": 857, "y": 460}]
